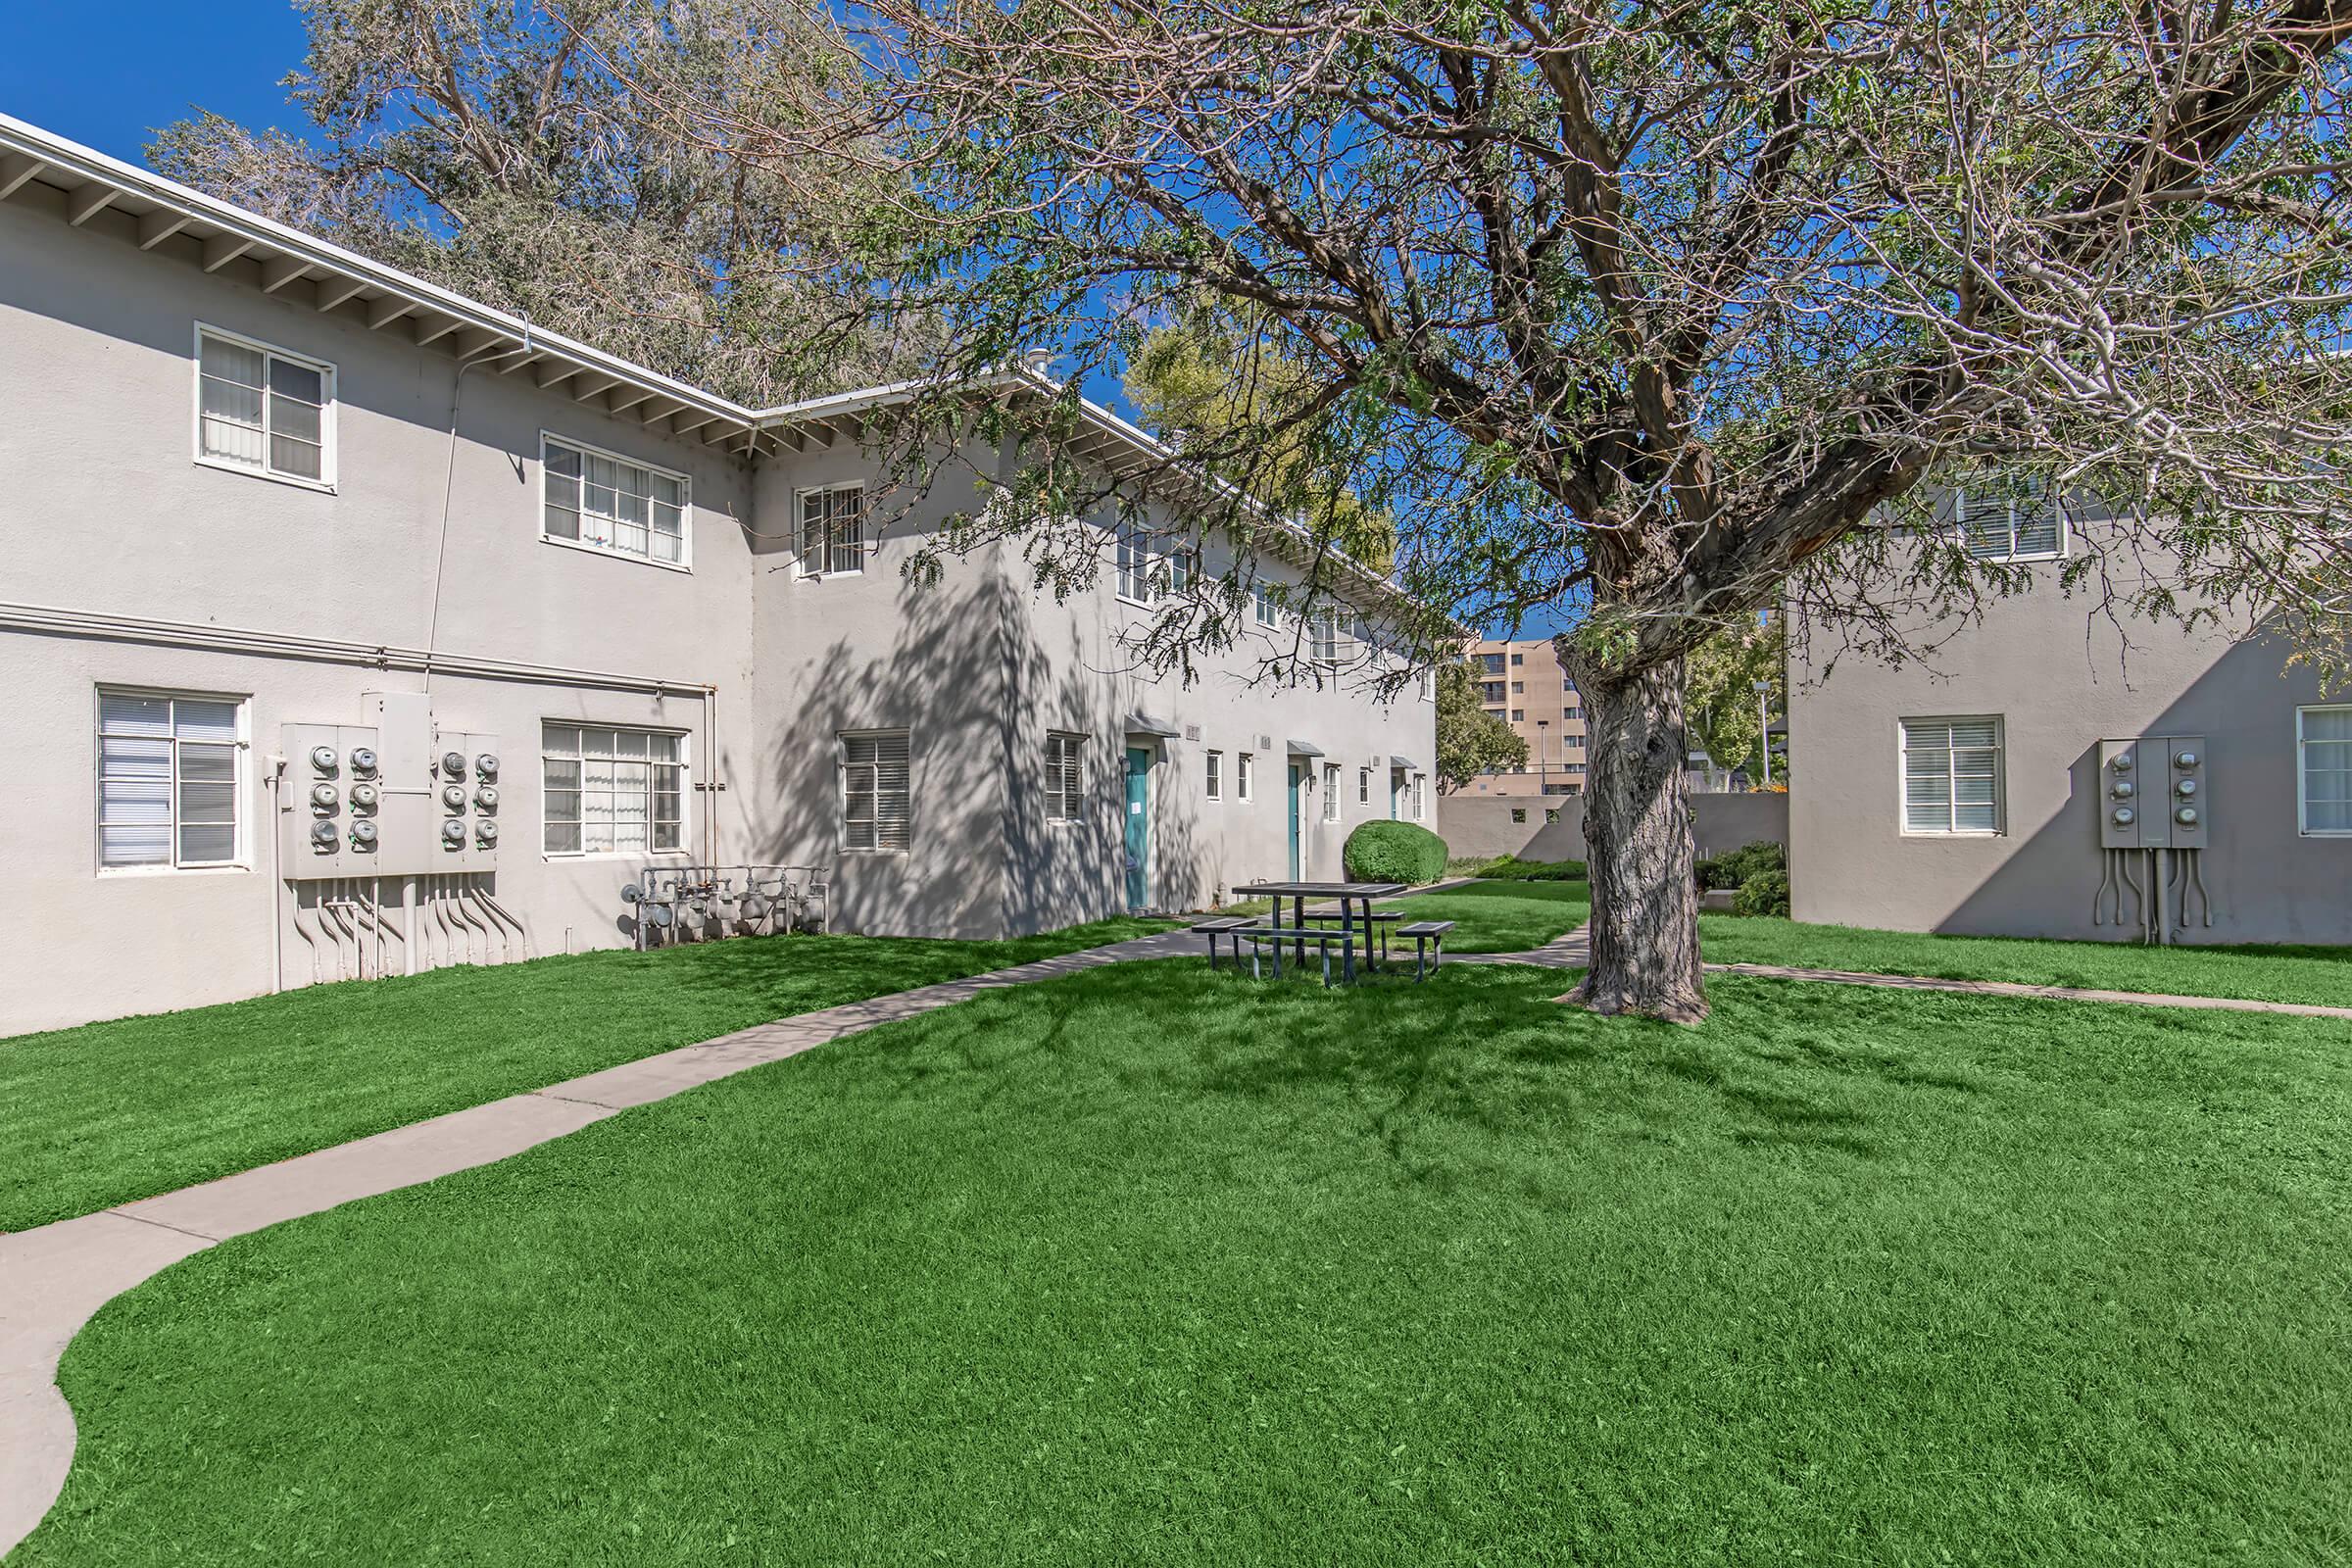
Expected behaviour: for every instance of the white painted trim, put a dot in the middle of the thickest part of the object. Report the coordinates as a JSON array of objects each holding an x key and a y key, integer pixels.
[
  {"x": 2000, "y": 778},
  {"x": 241, "y": 783},
  {"x": 686, "y": 792}
]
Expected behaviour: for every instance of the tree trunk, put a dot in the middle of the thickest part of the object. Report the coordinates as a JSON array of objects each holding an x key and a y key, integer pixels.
[{"x": 1644, "y": 926}]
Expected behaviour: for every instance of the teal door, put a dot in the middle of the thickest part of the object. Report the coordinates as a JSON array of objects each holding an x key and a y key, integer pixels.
[
  {"x": 1139, "y": 827},
  {"x": 1297, "y": 788}
]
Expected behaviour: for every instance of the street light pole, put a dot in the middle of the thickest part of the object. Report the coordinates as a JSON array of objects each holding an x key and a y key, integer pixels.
[
  {"x": 1543, "y": 757},
  {"x": 1764, "y": 727}
]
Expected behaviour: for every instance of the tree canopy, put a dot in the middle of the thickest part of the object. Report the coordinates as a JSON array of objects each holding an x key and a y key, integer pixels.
[{"x": 1470, "y": 739}]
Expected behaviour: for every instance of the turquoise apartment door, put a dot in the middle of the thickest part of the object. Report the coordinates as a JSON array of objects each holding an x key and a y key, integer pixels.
[
  {"x": 1297, "y": 787},
  {"x": 1139, "y": 827}
]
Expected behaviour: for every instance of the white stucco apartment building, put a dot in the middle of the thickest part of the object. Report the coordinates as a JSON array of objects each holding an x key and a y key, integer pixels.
[{"x": 329, "y": 592}]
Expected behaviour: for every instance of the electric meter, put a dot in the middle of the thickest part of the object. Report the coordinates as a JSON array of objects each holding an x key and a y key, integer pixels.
[
  {"x": 452, "y": 796},
  {"x": 486, "y": 765},
  {"x": 363, "y": 796},
  {"x": 486, "y": 797},
  {"x": 2122, "y": 762},
  {"x": 2188, "y": 786},
  {"x": 322, "y": 835},
  {"x": 322, "y": 758},
  {"x": 2125, "y": 816},
  {"x": 2186, "y": 817},
  {"x": 362, "y": 759},
  {"x": 2186, "y": 760},
  {"x": 485, "y": 834},
  {"x": 453, "y": 764},
  {"x": 452, "y": 834},
  {"x": 323, "y": 797},
  {"x": 362, "y": 834},
  {"x": 2121, "y": 790}
]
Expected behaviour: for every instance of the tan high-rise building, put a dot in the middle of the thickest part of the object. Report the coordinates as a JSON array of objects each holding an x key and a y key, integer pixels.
[{"x": 1523, "y": 684}]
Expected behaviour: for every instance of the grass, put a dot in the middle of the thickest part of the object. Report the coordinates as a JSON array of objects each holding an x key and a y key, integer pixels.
[
  {"x": 107, "y": 1112},
  {"x": 2314, "y": 975},
  {"x": 1510, "y": 869},
  {"x": 1143, "y": 1266}
]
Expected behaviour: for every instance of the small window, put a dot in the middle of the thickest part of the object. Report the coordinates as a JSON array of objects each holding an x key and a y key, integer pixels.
[
  {"x": 1518, "y": 658},
  {"x": 607, "y": 502},
  {"x": 1572, "y": 712},
  {"x": 1427, "y": 680},
  {"x": 1952, "y": 775},
  {"x": 1491, "y": 662},
  {"x": 1065, "y": 776},
  {"x": 1331, "y": 792},
  {"x": 1518, "y": 688},
  {"x": 1135, "y": 562},
  {"x": 1245, "y": 776},
  {"x": 833, "y": 532},
  {"x": 263, "y": 411},
  {"x": 170, "y": 777},
  {"x": 1518, "y": 715},
  {"x": 1492, "y": 692},
  {"x": 1323, "y": 636},
  {"x": 1518, "y": 813},
  {"x": 1262, "y": 599},
  {"x": 2324, "y": 751},
  {"x": 605, "y": 790},
  {"x": 1184, "y": 564},
  {"x": 1363, "y": 786},
  {"x": 1420, "y": 796},
  {"x": 2019, "y": 522},
  {"x": 1213, "y": 781},
  {"x": 875, "y": 791}
]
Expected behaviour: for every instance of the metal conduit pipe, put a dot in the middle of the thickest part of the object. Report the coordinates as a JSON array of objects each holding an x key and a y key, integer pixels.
[
  {"x": 469, "y": 899},
  {"x": 461, "y": 906},
  {"x": 449, "y": 940},
  {"x": 522, "y": 933},
  {"x": 310, "y": 939}
]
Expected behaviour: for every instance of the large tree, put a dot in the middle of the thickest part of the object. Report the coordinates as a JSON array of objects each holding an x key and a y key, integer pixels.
[
  {"x": 1645, "y": 311},
  {"x": 511, "y": 151}
]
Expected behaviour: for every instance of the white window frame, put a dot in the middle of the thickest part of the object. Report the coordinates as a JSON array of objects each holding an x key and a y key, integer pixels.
[
  {"x": 835, "y": 545},
  {"x": 1363, "y": 786},
  {"x": 1245, "y": 776},
  {"x": 587, "y": 450},
  {"x": 1212, "y": 782},
  {"x": 2013, "y": 555},
  {"x": 328, "y": 407},
  {"x": 2000, "y": 777},
  {"x": 241, "y": 859},
  {"x": 842, "y": 766},
  {"x": 1331, "y": 792},
  {"x": 1326, "y": 634},
  {"x": 1131, "y": 562},
  {"x": 685, "y": 767},
  {"x": 1261, "y": 605},
  {"x": 1420, "y": 789},
  {"x": 2303, "y": 827},
  {"x": 1065, "y": 776}
]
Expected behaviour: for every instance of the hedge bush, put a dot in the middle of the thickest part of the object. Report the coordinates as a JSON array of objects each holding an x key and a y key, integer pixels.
[
  {"x": 1765, "y": 892},
  {"x": 1510, "y": 869},
  {"x": 1750, "y": 859},
  {"x": 1394, "y": 852}
]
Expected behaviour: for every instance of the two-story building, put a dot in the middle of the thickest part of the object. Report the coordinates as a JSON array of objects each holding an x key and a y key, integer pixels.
[
  {"x": 351, "y": 624},
  {"x": 2055, "y": 771}
]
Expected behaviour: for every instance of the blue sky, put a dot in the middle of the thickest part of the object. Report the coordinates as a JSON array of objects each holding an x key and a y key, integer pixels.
[{"x": 162, "y": 60}]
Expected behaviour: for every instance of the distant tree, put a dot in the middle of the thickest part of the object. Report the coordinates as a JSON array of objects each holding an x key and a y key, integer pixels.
[
  {"x": 1202, "y": 378},
  {"x": 1470, "y": 739},
  {"x": 1719, "y": 694},
  {"x": 510, "y": 151}
]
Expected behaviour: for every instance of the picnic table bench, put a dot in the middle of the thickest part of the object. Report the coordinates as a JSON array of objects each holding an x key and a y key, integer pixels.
[
  {"x": 1426, "y": 934},
  {"x": 1299, "y": 937},
  {"x": 1229, "y": 925}
]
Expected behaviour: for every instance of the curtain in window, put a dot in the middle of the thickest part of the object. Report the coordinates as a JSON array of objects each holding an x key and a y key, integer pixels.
[
  {"x": 1952, "y": 776},
  {"x": 625, "y": 506},
  {"x": 875, "y": 791},
  {"x": 166, "y": 780},
  {"x": 2327, "y": 770},
  {"x": 232, "y": 380},
  {"x": 611, "y": 790}
]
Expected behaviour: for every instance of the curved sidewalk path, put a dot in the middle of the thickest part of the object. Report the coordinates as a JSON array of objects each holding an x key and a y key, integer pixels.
[{"x": 53, "y": 1278}]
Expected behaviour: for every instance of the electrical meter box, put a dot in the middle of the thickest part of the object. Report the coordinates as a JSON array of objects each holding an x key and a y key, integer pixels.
[
  {"x": 467, "y": 790},
  {"x": 2154, "y": 794},
  {"x": 394, "y": 798}
]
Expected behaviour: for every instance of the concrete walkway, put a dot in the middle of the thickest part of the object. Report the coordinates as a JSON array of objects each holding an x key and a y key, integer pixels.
[{"x": 53, "y": 1278}]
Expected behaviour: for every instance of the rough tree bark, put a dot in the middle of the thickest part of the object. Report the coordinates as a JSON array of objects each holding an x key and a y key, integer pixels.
[{"x": 1645, "y": 925}]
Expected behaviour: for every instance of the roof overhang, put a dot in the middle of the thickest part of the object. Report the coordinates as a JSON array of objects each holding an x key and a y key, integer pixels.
[
  {"x": 1406, "y": 763},
  {"x": 1303, "y": 749},
  {"x": 1146, "y": 725}
]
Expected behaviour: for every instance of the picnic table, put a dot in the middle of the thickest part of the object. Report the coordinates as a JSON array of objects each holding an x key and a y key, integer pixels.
[{"x": 1346, "y": 894}]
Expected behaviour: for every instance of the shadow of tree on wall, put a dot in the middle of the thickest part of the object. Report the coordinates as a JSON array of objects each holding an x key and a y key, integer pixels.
[{"x": 963, "y": 671}]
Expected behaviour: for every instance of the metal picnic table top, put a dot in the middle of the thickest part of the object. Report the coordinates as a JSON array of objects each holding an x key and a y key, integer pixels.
[{"x": 1323, "y": 890}]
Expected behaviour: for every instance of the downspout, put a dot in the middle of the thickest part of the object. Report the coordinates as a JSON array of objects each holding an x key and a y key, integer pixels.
[{"x": 277, "y": 881}]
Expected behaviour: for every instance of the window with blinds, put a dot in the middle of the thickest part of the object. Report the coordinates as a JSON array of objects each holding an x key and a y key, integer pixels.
[
  {"x": 611, "y": 791},
  {"x": 875, "y": 795},
  {"x": 2324, "y": 767},
  {"x": 168, "y": 780},
  {"x": 1952, "y": 775},
  {"x": 2021, "y": 524},
  {"x": 607, "y": 502},
  {"x": 1065, "y": 778},
  {"x": 262, "y": 410},
  {"x": 833, "y": 532}
]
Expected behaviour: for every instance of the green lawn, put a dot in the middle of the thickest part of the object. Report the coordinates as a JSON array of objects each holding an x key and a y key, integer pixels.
[
  {"x": 112, "y": 1111},
  {"x": 1147, "y": 1266},
  {"x": 2316, "y": 976},
  {"x": 1501, "y": 917}
]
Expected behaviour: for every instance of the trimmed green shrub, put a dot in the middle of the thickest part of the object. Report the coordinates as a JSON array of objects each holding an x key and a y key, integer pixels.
[
  {"x": 1713, "y": 873},
  {"x": 1745, "y": 861},
  {"x": 1765, "y": 892},
  {"x": 1394, "y": 852},
  {"x": 1508, "y": 869}
]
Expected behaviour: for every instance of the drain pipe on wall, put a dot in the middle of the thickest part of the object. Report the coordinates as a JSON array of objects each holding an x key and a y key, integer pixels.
[{"x": 277, "y": 881}]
